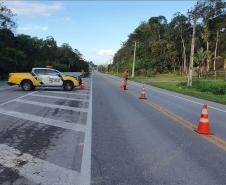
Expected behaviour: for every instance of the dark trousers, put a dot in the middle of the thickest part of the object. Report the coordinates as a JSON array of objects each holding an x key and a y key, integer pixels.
[{"x": 125, "y": 83}]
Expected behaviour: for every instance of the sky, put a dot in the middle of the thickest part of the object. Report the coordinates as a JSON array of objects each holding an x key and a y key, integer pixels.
[{"x": 96, "y": 28}]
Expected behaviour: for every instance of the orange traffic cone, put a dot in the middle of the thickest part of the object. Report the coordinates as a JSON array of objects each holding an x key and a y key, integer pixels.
[
  {"x": 142, "y": 94},
  {"x": 82, "y": 86},
  {"x": 204, "y": 127}
]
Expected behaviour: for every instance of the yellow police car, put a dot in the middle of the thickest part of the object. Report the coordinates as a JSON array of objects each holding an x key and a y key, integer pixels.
[{"x": 43, "y": 77}]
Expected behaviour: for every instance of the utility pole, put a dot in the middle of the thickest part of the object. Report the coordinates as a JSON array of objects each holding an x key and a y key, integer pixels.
[{"x": 134, "y": 58}]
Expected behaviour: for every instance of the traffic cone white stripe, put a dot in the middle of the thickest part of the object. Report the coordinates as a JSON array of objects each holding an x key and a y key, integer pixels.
[
  {"x": 204, "y": 111},
  {"x": 204, "y": 120}
]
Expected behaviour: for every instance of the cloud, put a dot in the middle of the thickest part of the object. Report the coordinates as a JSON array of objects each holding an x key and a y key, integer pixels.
[
  {"x": 34, "y": 8},
  {"x": 105, "y": 52},
  {"x": 67, "y": 19},
  {"x": 33, "y": 27}
]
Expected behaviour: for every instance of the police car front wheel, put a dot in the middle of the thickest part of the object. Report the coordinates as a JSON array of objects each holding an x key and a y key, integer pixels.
[
  {"x": 68, "y": 86},
  {"x": 27, "y": 85}
]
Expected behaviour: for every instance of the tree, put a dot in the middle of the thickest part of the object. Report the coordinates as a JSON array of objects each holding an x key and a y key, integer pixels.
[
  {"x": 209, "y": 10},
  {"x": 165, "y": 47},
  {"x": 22, "y": 52},
  {"x": 6, "y": 15},
  {"x": 194, "y": 16},
  {"x": 158, "y": 26},
  {"x": 180, "y": 27},
  {"x": 217, "y": 24},
  {"x": 199, "y": 58}
]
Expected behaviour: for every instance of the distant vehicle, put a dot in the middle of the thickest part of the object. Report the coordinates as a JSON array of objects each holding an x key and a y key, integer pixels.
[{"x": 43, "y": 77}]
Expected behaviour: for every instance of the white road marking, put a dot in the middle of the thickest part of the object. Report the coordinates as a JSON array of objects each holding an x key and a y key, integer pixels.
[
  {"x": 47, "y": 121},
  {"x": 52, "y": 105},
  {"x": 73, "y": 93},
  {"x": 195, "y": 102},
  {"x": 59, "y": 97},
  {"x": 179, "y": 97},
  {"x": 176, "y": 96},
  {"x": 41, "y": 171},
  {"x": 16, "y": 98},
  {"x": 86, "y": 158},
  {"x": 7, "y": 87},
  {"x": 36, "y": 170}
]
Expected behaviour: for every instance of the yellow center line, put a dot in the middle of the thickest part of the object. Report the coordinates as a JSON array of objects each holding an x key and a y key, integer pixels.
[{"x": 214, "y": 139}]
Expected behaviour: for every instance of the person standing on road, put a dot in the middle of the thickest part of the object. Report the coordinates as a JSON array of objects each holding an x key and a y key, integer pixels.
[{"x": 126, "y": 74}]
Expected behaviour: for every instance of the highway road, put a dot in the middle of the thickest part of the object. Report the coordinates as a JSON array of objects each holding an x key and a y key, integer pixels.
[
  {"x": 2, "y": 83},
  {"x": 106, "y": 136},
  {"x": 136, "y": 142},
  {"x": 45, "y": 136}
]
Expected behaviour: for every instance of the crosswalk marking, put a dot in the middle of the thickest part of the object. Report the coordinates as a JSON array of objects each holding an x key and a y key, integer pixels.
[
  {"x": 36, "y": 170},
  {"x": 42, "y": 171},
  {"x": 73, "y": 93},
  {"x": 52, "y": 105},
  {"x": 59, "y": 97},
  {"x": 47, "y": 121}
]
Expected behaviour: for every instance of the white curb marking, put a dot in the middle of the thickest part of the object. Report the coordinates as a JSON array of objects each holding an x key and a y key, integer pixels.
[{"x": 86, "y": 158}]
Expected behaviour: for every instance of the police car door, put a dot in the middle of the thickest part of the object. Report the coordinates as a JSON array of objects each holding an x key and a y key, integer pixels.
[
  {"x": 55, "y": 78},
  {"x": 40, "y": 75}
]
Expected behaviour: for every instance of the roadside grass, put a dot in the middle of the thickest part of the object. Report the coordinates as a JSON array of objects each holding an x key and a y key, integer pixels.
[
  {"x": 171, "y": 77},
  {"x": 180, "y": 88},
  {"x": 158, "y": 77},
  {"x": 212, "y": 90}
]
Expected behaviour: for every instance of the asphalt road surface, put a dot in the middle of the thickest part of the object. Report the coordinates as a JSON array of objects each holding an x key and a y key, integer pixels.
[
  {"x": 106, "y": 136},
  {"x": 45, "y": 136},
  {"x": 2, "y": 83},
  {"x": 136, "y": 142}
]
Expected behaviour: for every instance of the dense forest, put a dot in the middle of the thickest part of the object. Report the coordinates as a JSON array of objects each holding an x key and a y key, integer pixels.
[
  {"x": 197, "y": 40},
  {"x": 22, "y": 52}
]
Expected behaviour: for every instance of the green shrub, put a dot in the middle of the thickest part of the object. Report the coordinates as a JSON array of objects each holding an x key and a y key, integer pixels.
[
  {"x": 182, "y": 84},
  {"x": 215, "y": 87},
  {"x": 219, "y": 90}
]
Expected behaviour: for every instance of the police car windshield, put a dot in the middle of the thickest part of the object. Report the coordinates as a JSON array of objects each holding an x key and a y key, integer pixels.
[{"x": 46, "y": 72}]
